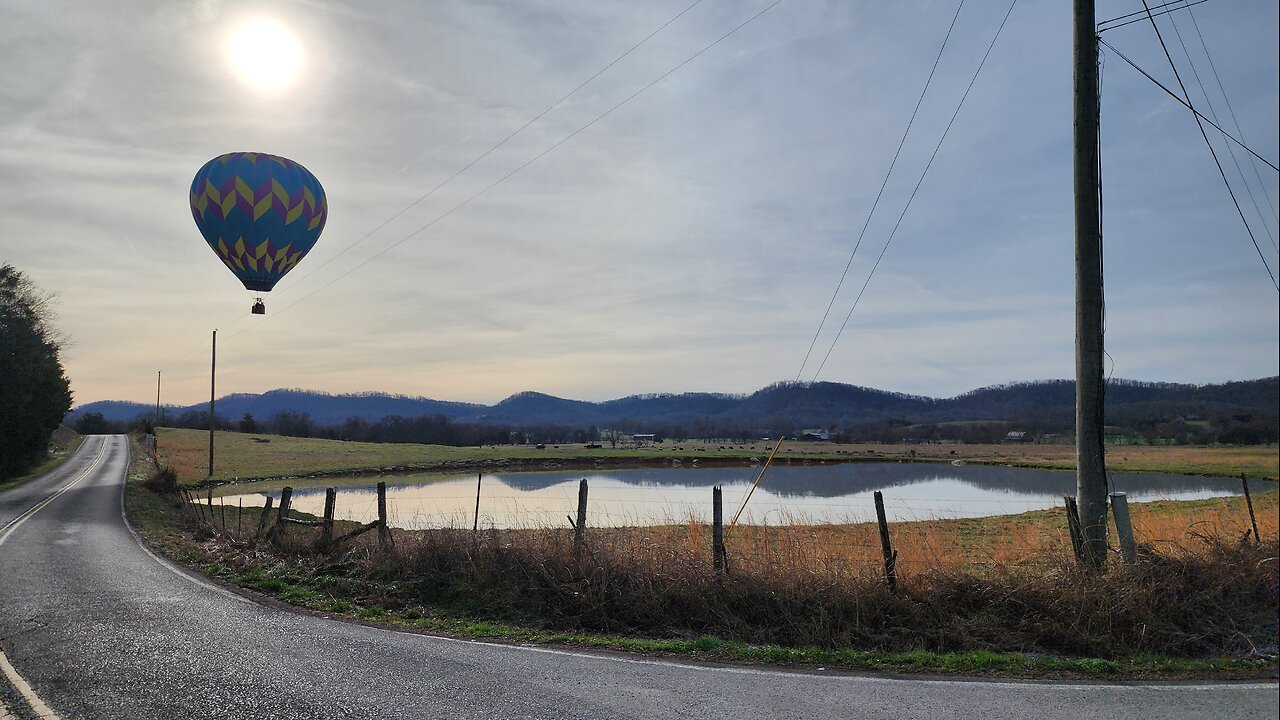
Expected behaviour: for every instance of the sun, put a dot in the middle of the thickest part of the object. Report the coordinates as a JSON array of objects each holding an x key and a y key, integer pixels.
[{"x": 265, "y": 55}]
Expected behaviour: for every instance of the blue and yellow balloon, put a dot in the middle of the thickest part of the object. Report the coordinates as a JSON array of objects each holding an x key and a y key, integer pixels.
[{"x": 260, "y": 213}]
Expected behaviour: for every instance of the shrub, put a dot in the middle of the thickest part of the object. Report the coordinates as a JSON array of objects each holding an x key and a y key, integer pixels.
[{"x": 162, "y": 481}]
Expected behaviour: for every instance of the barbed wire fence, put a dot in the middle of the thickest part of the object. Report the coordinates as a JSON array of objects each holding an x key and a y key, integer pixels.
[{"x": 914, "y": 533}]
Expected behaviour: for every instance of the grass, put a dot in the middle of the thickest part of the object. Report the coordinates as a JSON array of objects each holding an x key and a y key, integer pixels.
[
  {"x": 65, "y": 444},
  {"x": 307, "y": 591},
  {"x": 994, "y": 596},
  {"x": 1002, "y": 540},
  {"x": 241, "y": 456}
]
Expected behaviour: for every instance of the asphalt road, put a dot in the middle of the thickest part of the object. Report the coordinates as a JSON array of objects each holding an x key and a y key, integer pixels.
[{"x": 97, "y": 627}]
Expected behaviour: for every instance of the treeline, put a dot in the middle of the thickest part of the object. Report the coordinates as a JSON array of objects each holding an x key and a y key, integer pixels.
[
  {"x": 428, "y": 429},
  {"x": 1150, "y": 423},
  {"x": 1218, "y": 428}
]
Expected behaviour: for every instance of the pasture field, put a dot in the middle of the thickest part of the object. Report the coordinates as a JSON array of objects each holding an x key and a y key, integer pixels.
[
  {"x": 995, "y": 595},
  {"x": 243, "y": 456}
]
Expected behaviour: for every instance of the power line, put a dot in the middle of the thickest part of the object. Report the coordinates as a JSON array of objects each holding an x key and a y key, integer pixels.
[
  {"x": 822, "y": 323},
  {"x": 503, "y": 141},
  {"x": 1212, "y": 152},
  {"x": 1231, "y": 110},
  {"x": 1214, "y": 114},
  {"x": 528, "y": 162},
  {"x": 471, "y": 164},
  {"x": 1188, "y": 5},
  {"x": 798, "y": 399},
  {"x": 1186, "y": 104},
  {"x": 915, "y": 190}
]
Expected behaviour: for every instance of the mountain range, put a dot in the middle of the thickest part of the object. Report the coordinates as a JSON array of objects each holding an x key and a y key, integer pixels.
[{"x": 823, "y": 404}]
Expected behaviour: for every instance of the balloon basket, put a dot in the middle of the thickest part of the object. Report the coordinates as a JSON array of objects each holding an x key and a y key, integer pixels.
[{"x": 258, "y": 307}]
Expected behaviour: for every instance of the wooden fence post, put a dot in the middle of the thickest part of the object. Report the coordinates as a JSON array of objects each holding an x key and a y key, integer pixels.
[
  {"x": 717, "y": 530},
  {"x": 475, "y": 527},
  {"x": 326, "y": 530},
  {"x": 264, "y": 517},
  {"x": 580, "y": 527},
  {"x": 239, "y": 515},
  {"x": 890, "y": 555},
  {"x": 1124, "y": 527},
  {"x": 222, "y": 510},
  {"x": 1073, "y": 527},
  {"x": 282, "y": 512},
  {"x": 1257, "y": 537},
  {"x": 384, "y": 533},
  {"x": 286, "y": 504}
]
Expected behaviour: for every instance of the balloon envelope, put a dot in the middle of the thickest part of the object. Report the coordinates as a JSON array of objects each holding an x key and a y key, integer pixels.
[{"x": 260, "y": 213}]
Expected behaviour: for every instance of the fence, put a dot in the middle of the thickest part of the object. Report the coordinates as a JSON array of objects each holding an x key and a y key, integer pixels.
[
  {"x": 205, "y": 515},
  {"x": 882, "y": 545}
]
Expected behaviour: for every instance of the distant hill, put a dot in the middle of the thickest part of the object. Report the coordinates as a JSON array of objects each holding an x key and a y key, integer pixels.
[
  {"x": 534, "y": 408},
  {"x": 822, "y": 404},
  {"x": 827, "y": 403},
  {"x": 328, "y": 409},
  {"x": 670, "y": 408}
]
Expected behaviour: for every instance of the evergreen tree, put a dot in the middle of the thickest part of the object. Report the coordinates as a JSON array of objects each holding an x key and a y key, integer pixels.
[{"x": 34, "y": 391}]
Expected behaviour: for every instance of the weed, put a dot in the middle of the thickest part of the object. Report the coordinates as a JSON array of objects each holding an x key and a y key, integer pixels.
[{"x": 162, "y": 481}]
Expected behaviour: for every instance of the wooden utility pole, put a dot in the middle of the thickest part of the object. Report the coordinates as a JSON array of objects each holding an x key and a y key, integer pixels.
[
  {"x": 213, "y": 371},
  {"x": 1091, "y": 477},
  {"x": 157, "y": 422}
]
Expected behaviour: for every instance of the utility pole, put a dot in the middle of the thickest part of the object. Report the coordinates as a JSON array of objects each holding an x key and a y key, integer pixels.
[
  {"x": 1091, "y": 476},
  {"x": 213, "y": 371},
  {"x": 157, "y": 422}
]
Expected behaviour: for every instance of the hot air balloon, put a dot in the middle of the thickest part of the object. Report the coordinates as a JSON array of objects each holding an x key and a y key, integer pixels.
[{"x": 260, "y": 213}]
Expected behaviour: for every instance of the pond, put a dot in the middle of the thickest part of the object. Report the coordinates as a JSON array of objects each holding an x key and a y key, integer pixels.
[{"x": 833, "y": 493}]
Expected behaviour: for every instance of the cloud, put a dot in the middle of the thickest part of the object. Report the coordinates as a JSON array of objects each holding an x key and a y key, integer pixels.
[{"x": 688, "y": 241}]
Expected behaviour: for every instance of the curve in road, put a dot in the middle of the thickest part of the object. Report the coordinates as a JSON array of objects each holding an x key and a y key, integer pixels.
[{"x": 98, "y": 627}]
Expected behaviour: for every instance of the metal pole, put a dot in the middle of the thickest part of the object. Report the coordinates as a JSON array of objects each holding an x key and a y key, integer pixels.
[
  {"x": 213, "y": 371},
  {"x": 1091, "y": 477}
]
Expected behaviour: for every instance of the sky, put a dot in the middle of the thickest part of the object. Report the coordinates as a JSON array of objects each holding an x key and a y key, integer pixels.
[{"x": 688, "y": 240}]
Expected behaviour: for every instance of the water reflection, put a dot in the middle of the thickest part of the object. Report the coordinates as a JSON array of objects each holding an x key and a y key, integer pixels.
[{"x": 788, "y": 494}]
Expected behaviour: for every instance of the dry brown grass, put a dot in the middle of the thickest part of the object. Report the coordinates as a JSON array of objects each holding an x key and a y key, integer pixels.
[
  {"x": 1208, "y": 598},
  {"x": 1032, "y": 538},
  {"x": 239, "y": 455},
  {"x": 1001, "y": 584}
]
